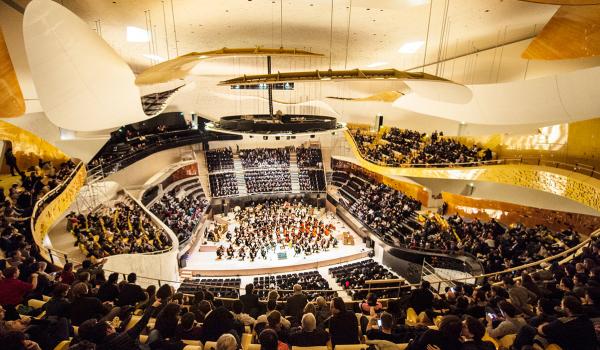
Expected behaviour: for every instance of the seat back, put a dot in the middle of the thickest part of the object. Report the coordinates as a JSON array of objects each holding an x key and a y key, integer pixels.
[
  {"x": 210, "y": 345},
  {"x": 36, "y": 304},
  {"x": 411, "y": 317},
  {"x": 486, "y": 337},
  {"x": 553, "y": 347},
  {"x": 506, "y": 341},
  {"x": 63, "y": 345},
  {"x": 351, "y": 347},
  {"x": 310, "y": 347}
]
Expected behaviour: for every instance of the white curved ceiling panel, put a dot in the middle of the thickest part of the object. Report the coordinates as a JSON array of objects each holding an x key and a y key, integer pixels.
[
  {"x": 440, "y": 90},
  {"x": 552, "y": 99},
  {"x": 81, "y": 82}
]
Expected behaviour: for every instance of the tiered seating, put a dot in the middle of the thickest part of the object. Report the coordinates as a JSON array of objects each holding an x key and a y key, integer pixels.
[
  {"x": 265, "y": 158},
  {"x": 310, "y": 280},
  {"x": 339, "y": 178},
  {"x": 219, "y": 287},
  {"x": 219, "y": 159},
  {"x": 223, "y": 184},
  {"x": 311, "y": 180},
  {"x": 353, "y": 276},
  {"x": 181, "y": 208},
  {"x": 266, "y": 181}
]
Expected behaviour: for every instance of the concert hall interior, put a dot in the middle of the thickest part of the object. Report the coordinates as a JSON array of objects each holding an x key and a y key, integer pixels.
[{"x": 300, "y": 175}]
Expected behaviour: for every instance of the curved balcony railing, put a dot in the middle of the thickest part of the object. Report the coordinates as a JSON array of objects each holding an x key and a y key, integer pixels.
[
  {"x": 580, "y": 168},
  {"x": 51, "y": 206}
]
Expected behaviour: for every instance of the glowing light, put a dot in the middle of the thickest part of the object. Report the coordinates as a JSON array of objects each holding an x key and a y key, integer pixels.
[
  {"x": 154, "y": 57},
  {"x": 411, "y": 47},
  {"x": 137, "y": 35},
  {"x": 377, "y": 64}
]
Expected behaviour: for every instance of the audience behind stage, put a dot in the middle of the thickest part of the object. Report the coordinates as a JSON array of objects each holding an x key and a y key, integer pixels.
[
  {"x": 265, "y": 157},
  {"x": 557, "y": 305},
  {"x": 223, "y": 184},
  {"x": 17, "y": 202},
  {"x": 123, "y": 228},
  {"x": 399, "y": 147},
  {"x": 268, "y": 180},
  {"x": 181, "y": 212},
  {"x": 219, "y": 159},
  {"x": 354, "y": 276},
  {"x": 309, "y": 157}
]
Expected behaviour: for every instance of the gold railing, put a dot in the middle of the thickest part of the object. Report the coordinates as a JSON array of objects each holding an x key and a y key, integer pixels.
[{"x": 49, "y": 208}]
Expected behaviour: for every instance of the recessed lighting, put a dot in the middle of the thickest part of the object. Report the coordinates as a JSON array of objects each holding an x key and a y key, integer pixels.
[
  {"x": 411, "y": 47},
  {"x": 154, "y": 57},
  {"x": 137, "y": 35},
  {"x": 377, "y": 64}
]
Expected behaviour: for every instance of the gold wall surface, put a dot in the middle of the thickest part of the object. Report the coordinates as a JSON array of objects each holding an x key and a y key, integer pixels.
[
  {"x": 510, "y": 213},
  {"x": 12, "y": 103},
  {"x": 565, "y": 183},
  {"x": 54, "y": 209},
  {"x": 28, "y": 147}
]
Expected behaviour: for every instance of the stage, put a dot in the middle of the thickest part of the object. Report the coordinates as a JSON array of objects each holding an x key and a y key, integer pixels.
[{"x": 203, "y": 261}]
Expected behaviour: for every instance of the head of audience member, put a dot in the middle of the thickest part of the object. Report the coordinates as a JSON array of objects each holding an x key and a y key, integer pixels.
[
  {"x": 273, "y": 295},
  {"x": 507, "y": 309},
  {"x": 274, "y": 319},
  {"x": 337, "y": 306},
  {"x": 132, "y": 278},
  {"x": 237, "y": 307},
  {"x": 11, "y": 272},
  {"x": 227, "y": 342},
  {"x": 113, "y": 278},
  {"x": 451, "y": 327},
  {"x": 198, "y": 297},
  {"x": 187, "y": 320},
  {"x": 387, "y": 322},
  {"x": 268, "y": 339},
  {"x": 545, "y": 306},
  {"x": 571, "y": 306},
  {"x": 309, "y": 308},
  {"x": 425, "y": 285},
  {"x": 79, "y": 290},
  {"x": 271, "y": 305},
  {"x": 473, "y": 329},
  {"x": 249, "y": 288},
  {"x": 321, "y": 302},
  {"x": 164, "y": 293},
  {"x": 95, "y": 331},
  {"x": 297, "y": 289},
  {"x": 60, "y": 291},
  {"x": 309, "y": 322}
]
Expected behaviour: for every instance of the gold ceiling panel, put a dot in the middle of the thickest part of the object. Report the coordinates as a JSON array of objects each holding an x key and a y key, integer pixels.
[
  {"x": 573, "y": 32},
  {"x": 12, "y": 103},
  {"x": 180, "y": 67},
  {"x": 319, "y": 75},
  {"x": 384, "y": 96}
]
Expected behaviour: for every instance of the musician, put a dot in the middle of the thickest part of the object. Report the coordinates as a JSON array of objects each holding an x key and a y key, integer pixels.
[{"x": 220, "y": 252}]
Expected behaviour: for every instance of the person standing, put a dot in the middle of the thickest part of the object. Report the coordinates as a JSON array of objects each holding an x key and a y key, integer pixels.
[{"x": 11, "y": 161}]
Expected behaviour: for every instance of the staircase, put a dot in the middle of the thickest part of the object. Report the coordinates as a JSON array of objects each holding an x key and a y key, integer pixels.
[
  {"x": 239, "y": 175},
  {"x": 294, "y": 172}
]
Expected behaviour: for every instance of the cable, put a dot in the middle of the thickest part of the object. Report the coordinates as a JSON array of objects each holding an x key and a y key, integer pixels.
[
  {"x": 165, "y": 25},
  {"x": 174, "y": 29},
  {"x": 331, "y": 35},
  {"x": 348, "y": 35},
  {"x": 427, "y": 36}
]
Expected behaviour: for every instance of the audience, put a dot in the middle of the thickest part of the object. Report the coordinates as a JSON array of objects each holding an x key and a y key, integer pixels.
[
  {"x": 223, "y": 184},
  {"x": 265, "y": 158},
  {"x": 398, "y": 147},
  {"x": 267, "y": 181},
  {"x": 219, "y": 159},
  {"x": 123, "y": 228}
]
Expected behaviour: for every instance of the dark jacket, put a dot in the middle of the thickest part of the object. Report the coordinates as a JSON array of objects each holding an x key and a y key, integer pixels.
[
  {"x": 108, "y": 292},
  {"x": 318, "y": 337},
  {"x": 295, "y": 306},
  {"x": 572, "y": 333},
  {"x": 59, "y": 307},
  {"x": 130, "y": 294},
  {"x": 129, "y": 339},
  {"x": 434, "y": 337},
  {"x": 421, "y": 300},
  {"x": 218, "y": 322},
  {"x": 251, "y": 304},
  {"x": 343, "y": 328},
  {"x": 85, "y": 308}
]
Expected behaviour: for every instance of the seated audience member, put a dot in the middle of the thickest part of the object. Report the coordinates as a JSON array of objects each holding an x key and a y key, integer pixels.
[
  {"x": 227, "y": 342},
  {"x": 511, "y": 321},
  {"x": 85, "y": 307},
  {"x": 165, "y": 327},
  {"x": 383, "y": 332},
  {"x": 472, "y": 332},
  {"x": 371, "y": 306},
  {"x": 447, "y": 337},
  {"x": 343, "y": 325},
  {"x": 241, "y": 316},
  {"x": 269, "y": 340},
  {"x": 109, "y": 291},
  {"x": 308, "y": 334},
  {"x": 274, "y": 323},
  {"x": 574, "y": 331},
  {"x": 104, "y": 335},
  {"x": 271, "y": 306},
  {"x": 218, "y": 322},
  {"x": 187, "y": 328},
  {"x": 421, "y": 299},
  {"x": 544, "y": 313},
  {"x": 130, "y": 293},
  {"x": 58, "y": 305},
  {"x": 322, "y": 312},
  {"x": 520, "y": 297},
  {"x": 12, "y": 291},
  {"x": 67, "y": 276}
]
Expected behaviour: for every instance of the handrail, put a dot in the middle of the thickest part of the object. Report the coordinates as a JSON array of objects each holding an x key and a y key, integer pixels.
[{"x": 573, "y": 250}]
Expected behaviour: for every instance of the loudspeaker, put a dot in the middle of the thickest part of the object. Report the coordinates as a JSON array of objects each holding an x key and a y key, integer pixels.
[{"x": 378, "y": 122}]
